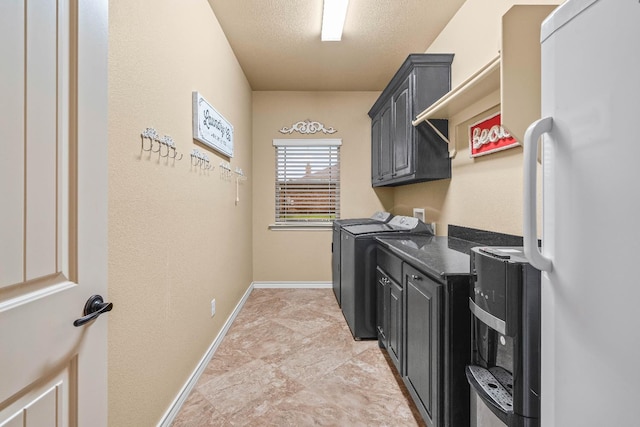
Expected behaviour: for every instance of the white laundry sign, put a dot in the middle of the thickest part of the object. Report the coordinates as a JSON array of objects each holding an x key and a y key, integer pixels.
[{"x": 210, "y": 128}]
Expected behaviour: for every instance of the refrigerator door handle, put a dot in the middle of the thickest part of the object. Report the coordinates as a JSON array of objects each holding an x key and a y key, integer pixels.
[{"x": 530, "y": 227}]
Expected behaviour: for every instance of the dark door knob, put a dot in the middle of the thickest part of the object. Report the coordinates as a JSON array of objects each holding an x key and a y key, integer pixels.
[{"x": 93, "y": 308}]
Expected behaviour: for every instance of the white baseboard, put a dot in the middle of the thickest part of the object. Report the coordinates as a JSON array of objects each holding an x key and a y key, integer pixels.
[
  {"x": 176, "y": 405},
  {"x": 173, "y": 410},
  {"x": 292, "y": 285}
]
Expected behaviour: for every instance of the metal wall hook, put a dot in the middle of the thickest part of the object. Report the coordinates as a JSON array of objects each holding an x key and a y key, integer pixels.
[
  {"x": 150, "y": 143},
  {"x": 175, "y": 154},
  {"x": 240, "y": 175},
  {"x": 150, "y": 134},
  {"x": 160, "y": 150},
  {"x": 168, "y": 141}
]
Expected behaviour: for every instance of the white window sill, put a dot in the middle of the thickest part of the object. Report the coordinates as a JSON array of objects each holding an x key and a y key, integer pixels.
[{"x": 303, "y": 226}]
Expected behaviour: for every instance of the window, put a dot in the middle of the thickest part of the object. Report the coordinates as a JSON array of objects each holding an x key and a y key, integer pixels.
[{"x": 307, "y": 181}]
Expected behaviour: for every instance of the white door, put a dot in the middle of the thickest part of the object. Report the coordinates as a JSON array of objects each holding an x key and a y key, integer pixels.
[{"x": 53, "y": 216}]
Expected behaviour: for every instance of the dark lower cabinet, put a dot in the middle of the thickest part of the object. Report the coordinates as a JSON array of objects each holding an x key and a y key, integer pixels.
[
  {"x": 437, "y": 346},
  {"x": 424, "y": 324},
  {"x": 422, "y": 369}
]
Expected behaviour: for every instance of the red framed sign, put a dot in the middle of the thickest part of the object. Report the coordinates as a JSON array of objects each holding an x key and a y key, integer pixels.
[{"x": 488, "y": 136}]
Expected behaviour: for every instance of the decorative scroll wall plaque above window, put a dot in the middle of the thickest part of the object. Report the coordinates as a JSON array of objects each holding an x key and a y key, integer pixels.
[
  {"x": 210, "y": 128},
  {"x": 307, "y": 127}
]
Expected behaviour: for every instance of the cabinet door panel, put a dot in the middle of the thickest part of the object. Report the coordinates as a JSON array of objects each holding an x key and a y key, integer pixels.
[
  {"x": 394, "y": 332},
  {"x": 382, "y": 304},
  {"x": 385, "y": 144},
  {"x": 423, "y": 342},
  {"x": 402, "y": 135},
  {"x": 375, "y": 150}
]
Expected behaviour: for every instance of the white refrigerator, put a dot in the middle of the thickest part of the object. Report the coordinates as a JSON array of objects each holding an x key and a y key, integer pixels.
[{"x": 590, "y": 253}]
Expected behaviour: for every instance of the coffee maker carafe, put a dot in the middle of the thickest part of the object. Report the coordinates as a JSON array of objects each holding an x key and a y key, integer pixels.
[{"x": 505, "y": 342}]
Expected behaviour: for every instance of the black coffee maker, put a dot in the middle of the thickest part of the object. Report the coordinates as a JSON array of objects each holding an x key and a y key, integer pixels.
[{"x": 505, "y": 342}]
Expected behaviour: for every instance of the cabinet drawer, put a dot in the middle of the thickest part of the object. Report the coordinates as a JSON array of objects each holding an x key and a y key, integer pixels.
[{"x": 391, "y": 264}]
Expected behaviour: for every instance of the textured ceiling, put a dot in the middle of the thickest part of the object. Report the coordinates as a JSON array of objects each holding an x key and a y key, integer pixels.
[{"x": 277, "y": 42}]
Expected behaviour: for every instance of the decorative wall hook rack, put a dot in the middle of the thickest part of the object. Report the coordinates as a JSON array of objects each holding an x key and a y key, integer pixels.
[
  {"x": 170, "y": 146},
  {"x": 165, "y": 146},
  {"x": 225, "y": 170},
  {"x": 198, "y": 158}
]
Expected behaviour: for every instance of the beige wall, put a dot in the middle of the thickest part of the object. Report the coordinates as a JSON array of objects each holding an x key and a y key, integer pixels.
[
  {"x": 176, "y": 237},
  {"x": 306, "y": 255},
  {"x": 473, "y": 34},
  {"x": 485, "y": 192}
]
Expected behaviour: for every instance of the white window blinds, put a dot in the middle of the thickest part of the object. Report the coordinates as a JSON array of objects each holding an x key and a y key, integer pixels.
[{"x": 307, "y": 180}]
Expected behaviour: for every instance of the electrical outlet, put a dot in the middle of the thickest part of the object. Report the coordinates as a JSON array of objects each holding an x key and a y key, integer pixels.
[
  {"x": 213, "y": 307},
  {"x": 419, "y": 213}
]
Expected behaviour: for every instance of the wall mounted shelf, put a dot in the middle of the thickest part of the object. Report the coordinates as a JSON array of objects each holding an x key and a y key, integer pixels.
[
  {"x": 480, "y": 84},
  {"x": 515, "y": 72}
]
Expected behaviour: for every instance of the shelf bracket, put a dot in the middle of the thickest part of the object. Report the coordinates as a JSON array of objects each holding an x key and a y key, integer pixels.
[{"x": 452, "y": 152}]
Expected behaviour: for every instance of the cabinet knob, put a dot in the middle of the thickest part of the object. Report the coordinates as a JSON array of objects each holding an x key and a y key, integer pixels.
[{"x": 416, "y": 277}]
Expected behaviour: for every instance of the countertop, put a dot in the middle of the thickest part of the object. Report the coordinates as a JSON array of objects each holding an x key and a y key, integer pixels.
[
  {"x": 442, "y": 256},
  {"x": 439, "y": 256}
]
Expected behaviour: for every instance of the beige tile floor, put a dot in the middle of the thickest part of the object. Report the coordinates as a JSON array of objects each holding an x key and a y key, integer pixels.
[{"x": 290, "y": 360}]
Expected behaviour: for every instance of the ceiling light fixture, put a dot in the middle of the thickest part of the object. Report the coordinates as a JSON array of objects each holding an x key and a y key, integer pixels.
[{"x": 334, "y": 13}]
